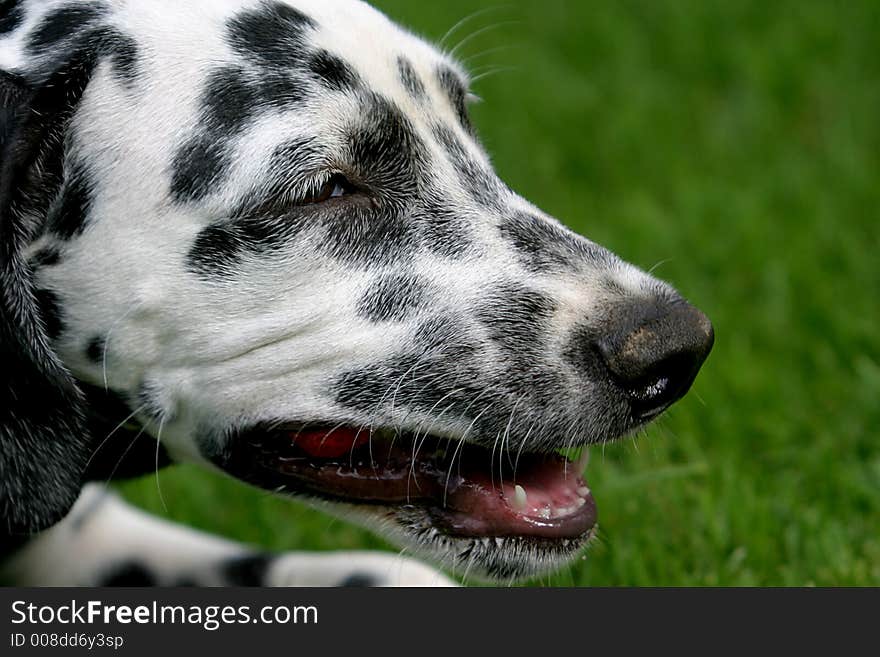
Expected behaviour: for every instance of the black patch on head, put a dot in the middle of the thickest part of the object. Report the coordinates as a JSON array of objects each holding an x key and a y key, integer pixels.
[
  {"x": 197, "y": 166},
  {"x": 386, "y": 150},
  {"x": 331, "y": 71},
  {"x": 442, "y": 228},
  {"x": 248, "y": 570},
  {"x": 393, "y": 298},
  {"x": 455, "y": 90},
  {"x": 122, "y": 50},
  {"x": 129, "y": 573},
  {"x": 230, "y": 101},
  {"x": 45, "y": 257},
  {"x": 544, "y": 246},
  {"x": 63, "y": 23},
  {"x": 218, "y": 249},
  {"x": 50, "y": 312},
  {"x": 482, "y": 185},
  {"x": 410, "y": 79},
  {"x": 370, "y": 237},
  {"x": 360, "y": 580},
  {"x": 68, "y": 218},
  {"x": 515, "y": 317},
  {"x": 272, "y": 34},
  {"x": 11, "y": 16},
  {"x": 441, "y": 376},
  {"x": 95, "y": 349},
  {"x": 69, "y": 26}
]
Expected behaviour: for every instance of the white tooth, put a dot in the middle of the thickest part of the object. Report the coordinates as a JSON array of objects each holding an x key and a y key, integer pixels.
[
  {"x": 499, "y": 541},
  {"x": 583, "y": 491},
  {"x": 581, "y": 501},
  {"x": 545, "y": 513},
  {"x": 519, "y": 497}
]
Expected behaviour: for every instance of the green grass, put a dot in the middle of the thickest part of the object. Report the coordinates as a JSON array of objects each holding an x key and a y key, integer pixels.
[{"x": 738, "y": 145}]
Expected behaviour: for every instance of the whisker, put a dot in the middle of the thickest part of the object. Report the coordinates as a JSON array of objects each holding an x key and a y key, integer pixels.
[
  {"x": 475, "y": 34},
  {"x": 467, "y": 19},
  {"x": 492, "y": 71},
  {"x": 110, "y": 435},
  {"x": 158, "y": 445}
]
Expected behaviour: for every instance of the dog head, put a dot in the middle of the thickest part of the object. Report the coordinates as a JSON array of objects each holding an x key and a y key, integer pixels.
[{"x": 269, "y": 230}]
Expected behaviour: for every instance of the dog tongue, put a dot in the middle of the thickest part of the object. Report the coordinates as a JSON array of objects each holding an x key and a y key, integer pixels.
[{"x": 330, "y": 444}]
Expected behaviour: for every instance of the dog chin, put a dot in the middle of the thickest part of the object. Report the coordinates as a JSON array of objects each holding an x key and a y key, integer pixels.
[{"x": 504, "y": 559}]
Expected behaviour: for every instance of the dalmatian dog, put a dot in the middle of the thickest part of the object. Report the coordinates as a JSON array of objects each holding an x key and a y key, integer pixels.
[{"x": 262, "y": 236}]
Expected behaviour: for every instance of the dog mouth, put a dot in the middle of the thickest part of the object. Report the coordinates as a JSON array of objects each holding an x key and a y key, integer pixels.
[{"x": 466, "y": 490}]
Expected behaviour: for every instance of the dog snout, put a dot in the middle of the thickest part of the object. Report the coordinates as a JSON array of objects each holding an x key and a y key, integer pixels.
[{"x": 654, "y": 352}]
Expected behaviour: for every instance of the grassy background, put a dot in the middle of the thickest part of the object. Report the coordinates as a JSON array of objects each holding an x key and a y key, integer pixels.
[{"x": 737, "y": 144}]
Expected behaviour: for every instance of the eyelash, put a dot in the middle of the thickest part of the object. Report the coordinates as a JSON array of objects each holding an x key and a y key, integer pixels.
[{"x": 336, "y": 186}]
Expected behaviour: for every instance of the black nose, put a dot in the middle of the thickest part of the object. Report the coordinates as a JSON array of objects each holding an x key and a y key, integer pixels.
[{"x": 655, "y": 352}]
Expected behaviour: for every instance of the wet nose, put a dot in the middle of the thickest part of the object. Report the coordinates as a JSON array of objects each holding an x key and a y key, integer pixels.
[{"x": 655, "y": 351}]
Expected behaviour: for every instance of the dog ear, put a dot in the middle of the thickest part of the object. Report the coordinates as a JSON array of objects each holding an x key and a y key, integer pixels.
[{"x": 43, "y": 442}]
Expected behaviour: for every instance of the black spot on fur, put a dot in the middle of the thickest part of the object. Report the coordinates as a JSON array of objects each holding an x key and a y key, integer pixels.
[
  {"x": 249, "y": 570},
  {"x": 50, "y": 313},
  {"x": 68, "y": 219},
  {"x": 360, "y": 580},
  {"x": 45, "y": 257},
  {"x": 230, "y": 100},
  {"x": 272, "y": 34},
  {"x": 129, "y": 573},
  {"x": 442, "y": 228},
  {"x": 218, "y": 249},
  {"x": 515, "y": 317},
  {"x": 11, "y": 16},
  {"x": 455, "y": 90},
  {"x": 123, "y": 51},
  {"x": 394, "y": 298},
  {"x": 197, "y": 166},
  {"x": 386, "y": 150},
  {"x": 443, "y": 376},
  {"x": 482, "y": 185},
  {"x": 544, "y": 246},
  {"x": 370, "y": 237},
  {"x": 410, "y": 79},
  {"x": 331, "y": 71},
  {"x": 64, "y": 23},
  {"x": 95, "y": 349}
]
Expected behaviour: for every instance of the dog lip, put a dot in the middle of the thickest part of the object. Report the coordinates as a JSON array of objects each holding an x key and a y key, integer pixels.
[{"x": 459, "y": 487}]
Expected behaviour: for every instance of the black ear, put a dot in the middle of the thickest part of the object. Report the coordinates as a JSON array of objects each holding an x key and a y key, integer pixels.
[{"x": 43, "y": 442}]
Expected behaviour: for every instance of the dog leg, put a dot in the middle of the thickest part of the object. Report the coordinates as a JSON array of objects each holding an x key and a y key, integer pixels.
[{"x": 106, "y": 542}]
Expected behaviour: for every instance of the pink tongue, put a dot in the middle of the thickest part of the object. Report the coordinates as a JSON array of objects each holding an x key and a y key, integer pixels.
[{"x": 557, "y": 503}]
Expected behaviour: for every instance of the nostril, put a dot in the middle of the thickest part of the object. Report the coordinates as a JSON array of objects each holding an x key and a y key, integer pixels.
[{"x": 656, "y": 360}]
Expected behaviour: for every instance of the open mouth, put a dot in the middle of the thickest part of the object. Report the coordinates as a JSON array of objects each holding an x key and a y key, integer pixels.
[{"x": 467, "y": 490}]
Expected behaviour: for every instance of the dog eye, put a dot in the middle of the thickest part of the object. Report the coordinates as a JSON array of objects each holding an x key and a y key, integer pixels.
[{"x": 336, "y": 186}]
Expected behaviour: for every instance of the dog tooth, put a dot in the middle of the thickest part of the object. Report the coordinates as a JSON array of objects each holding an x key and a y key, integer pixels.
[
  {"x": 583, "y": 491},
  {"x": 580, "y": 502},
  {"x": 520, "y": 498},
  {"x": 499, "y": 541}
]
